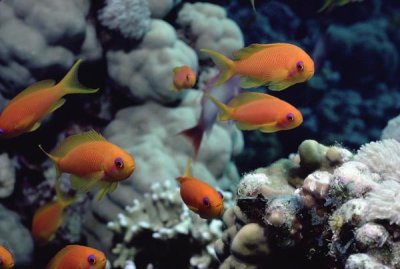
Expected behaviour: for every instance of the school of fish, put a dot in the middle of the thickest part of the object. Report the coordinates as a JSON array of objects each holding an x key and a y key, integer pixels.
[{"x": 94, "y": 163}]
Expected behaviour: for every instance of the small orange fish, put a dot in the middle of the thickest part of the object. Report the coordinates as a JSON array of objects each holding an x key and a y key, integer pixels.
[
  {"x": 78, "y": 257},
  {"x": 6, "y": 259},
  {"x": 48, "y": 219},
  {"x": 259, "y": 111},
  {"x": 200, "y": 197},
  {"x": 277, "y": 65},
  {"x": 92, "y": 161},
  {"x": 25, "y": 111},
  {"x": 184, "y": 78}
]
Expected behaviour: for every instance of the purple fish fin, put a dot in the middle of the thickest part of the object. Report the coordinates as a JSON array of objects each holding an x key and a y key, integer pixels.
[{"x": 195, "y": 136}]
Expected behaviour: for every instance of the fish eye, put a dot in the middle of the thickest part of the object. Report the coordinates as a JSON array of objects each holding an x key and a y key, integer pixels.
[
  {"x": 91, "y": 259},
  {"x": 206, "y": 201},
  {"x": 290, "y": 117},
  {"x": 300, "y": 66},
  {"x": 221, "y": 195},
  {"x": 119, "y": 163},
  {"x": 187, "y": 77}
]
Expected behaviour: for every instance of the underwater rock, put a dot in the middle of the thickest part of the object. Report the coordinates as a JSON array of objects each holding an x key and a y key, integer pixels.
[
  {"x": 7, "y": 176},
  {"x": 57, "y": 32},
  {"x": 131, "y": 18},
  {"x": 145, "y": 72},
  {"x": 371, "y": 235},
  {"x": 207, "y": 26},
  {"x": 15, "y": 236},
  {"x": 160, "y": 8},
  {"x": 392, "y": 129}
]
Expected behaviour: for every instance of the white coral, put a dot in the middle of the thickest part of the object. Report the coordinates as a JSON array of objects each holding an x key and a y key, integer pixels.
[
  {"x": 382, "y": 157},
  {"x": 130, "y": 17},
  {"x": 392, "y": 129},
  {"x": 7, "y": 176},
  {"x": 383, "y": 202},
  {"x": 211, "y": 28}
]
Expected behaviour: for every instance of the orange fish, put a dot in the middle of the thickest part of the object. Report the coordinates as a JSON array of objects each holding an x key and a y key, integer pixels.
[
  {"x": 200, "y": 197},
  {"x": 26, "y": 110},
  {"x": 78, "y": 257},
  {"x": 48, "y": 219},
  {"x": 277, "y": 65},
  {"x": 184, "y": 78},
  {"x": 6, "y": 259},
  {"x": 92, "y": 161},
  {"x": 259, "y": 111}
]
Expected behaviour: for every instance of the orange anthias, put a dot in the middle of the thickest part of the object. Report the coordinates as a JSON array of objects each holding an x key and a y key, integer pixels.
[
  {"x": 277, "y": 65},
  {"x": 184, "y": 78},
  {"x": 25, "y": 111},
  {"x": 199, "y": 196},
  {"x": 92, "y": 161},
  {"x": 48, "y": 219},
  {"x": 78, "y": 257},
  {"x": 259, "y": 111},
  {"x": 6, "y": 259}
]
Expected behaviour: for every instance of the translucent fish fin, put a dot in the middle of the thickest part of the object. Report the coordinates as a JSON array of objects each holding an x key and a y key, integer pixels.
[
  {"x": 55, "y": 161},
  {"x": 40, "y": 85},
  {"x": 70, "y": 83},
  {"x": 57, "y": 105},
  {"x": 247, "y": 126},
  {"x": 35, "y": 127},
  {"x": 247, "y": 97},
  {"x": 225, "y": 111},
  {"x": 279, "y": 85},
  {"x": 113, "y": 187},
  {"x": 188, "y": 168},
  {"x": 328, "y": 5},
  {"x": 224, "y": 64},
  {"x": 72, "y": 141},
  {"x": 105, "y": 187},
  {"x": 248, "y": 51},
  {"x": 253, "y": 5},
  {"x": 269, "y": 128},
  {"x": 248, "y": 82},
  {"x": 85, "y": 184}
]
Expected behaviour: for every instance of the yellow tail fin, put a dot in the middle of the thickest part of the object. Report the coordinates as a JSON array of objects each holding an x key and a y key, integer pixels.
[
  {"x": 225, "y": 111},
  {"x": 70, "y": 83},
  {"x": 224, "y": 64}
]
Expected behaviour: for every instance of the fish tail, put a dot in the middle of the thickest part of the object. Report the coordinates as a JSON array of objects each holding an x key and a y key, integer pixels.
[
  {"x": 224, "y": 64},
  {"x": 65, "y": 201},
  {"x": 225, "y": 111},
  {"x": 195, "y": 136},
  {"x": 70, "y": 83},
  {"x": 55, "y": 161}
]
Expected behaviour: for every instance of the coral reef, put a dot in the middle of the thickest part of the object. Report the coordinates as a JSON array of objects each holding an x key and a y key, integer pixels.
[
  {"x": 7, "y": 176},
  {"x": 129, "y": 17},
  {"x": 51, "y": 35},
  {"x": 343, "y": 210},
  {"x": 207, "y": 26},
  {"x": 160, "y": 8},
  {"x": 15, "y": 236},
  {"x": 145, "y": 72},
  {"x": 392, "y": 129}
]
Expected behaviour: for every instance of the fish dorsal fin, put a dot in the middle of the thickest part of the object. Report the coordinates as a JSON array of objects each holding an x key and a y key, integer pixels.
[
  {"x": 253, "y": 48},
  {"x": 247, "y": 97},
  {"x": 74, "y": 140},
  {"x": 37, "y": 86},
  {"x": 176, "y": 69}
]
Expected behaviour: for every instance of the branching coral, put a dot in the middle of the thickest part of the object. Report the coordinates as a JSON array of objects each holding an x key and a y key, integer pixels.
[
  {"x": 160, "y": 218},
  {"x": 130, "y": 17}
]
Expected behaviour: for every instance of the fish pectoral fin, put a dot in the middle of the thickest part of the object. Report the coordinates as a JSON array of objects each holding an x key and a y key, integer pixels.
[
  {"x": 21, "y": 125},
  {"x": 85, "y": 184},
  {"x": 105, "y": 187},
  {"x": 269, "y": 128},
  {"x": 248, "y": 82},
  {"x": 279, "y": 85},
  {"x": 56, "y": 105},
  {"x": 35, "y": 127},
  {"x": 247, "y": 126},
  {"x": 194, "y": 209}
]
